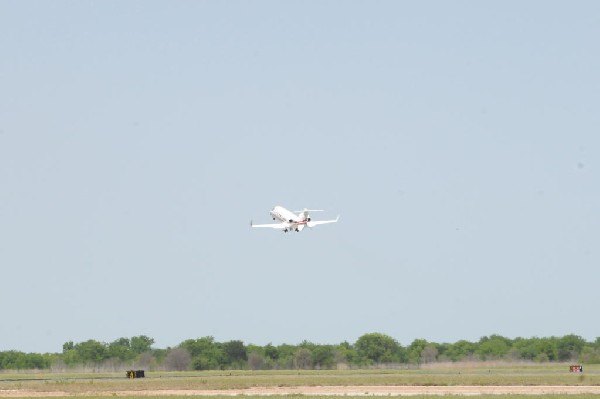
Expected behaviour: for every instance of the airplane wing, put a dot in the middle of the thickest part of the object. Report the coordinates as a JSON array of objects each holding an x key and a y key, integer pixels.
[
  {"x": 271, "y": 225},
  {"x": 318, "y": 222}
]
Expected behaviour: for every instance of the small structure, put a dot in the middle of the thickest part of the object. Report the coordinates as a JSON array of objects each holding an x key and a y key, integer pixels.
[
  {"x": 576, "y": 368},
  {"x": 135, "y": 374}
]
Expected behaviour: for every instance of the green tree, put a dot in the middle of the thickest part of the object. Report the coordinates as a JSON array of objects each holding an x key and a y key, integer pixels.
[
  {"x": 141, "y": 344},
  {"x": 234, "y": 353},
  {"x": 322, "y": 357},
  {"x": 37, "y": 361},
  {"x": 526, "y": 348},
  {"x": 415, "y": 349},
  {"x": 442, "y": 348},
  {"x": 346, "y": 353},
  {"x": 271, "y": 352},
  {"x": 460, "y": 350},
  {"x": 494, "y": 347},
  {"x": 121, "y": 349},
  {"x": 376, "y": 348},
  {"x": 546, "y": 350},
  {"x": 590, "y": 355},
  {"x": 91, "y": 351},
  {"x": 206, "y": 353},
  {"x": 70, "y": 358},
  {"x": 69, "y": 354},
  {"x": 286, "y": 357},
  {"x": 569, "y": 347},
  {"x": 67, "y": 346},
  {"x": 12, "y": 360}
]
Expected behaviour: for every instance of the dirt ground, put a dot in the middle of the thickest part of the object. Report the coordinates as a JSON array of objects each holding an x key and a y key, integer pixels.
[{"x": 335, "y": 391}]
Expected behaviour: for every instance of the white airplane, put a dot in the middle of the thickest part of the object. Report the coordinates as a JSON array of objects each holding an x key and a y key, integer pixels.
[{"x": 289, "y": 220}]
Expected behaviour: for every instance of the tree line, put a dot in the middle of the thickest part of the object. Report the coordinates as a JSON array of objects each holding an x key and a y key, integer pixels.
[{"x": 369, "y": 350}]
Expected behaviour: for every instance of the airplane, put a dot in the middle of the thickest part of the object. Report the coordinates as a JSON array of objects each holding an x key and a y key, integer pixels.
[{"x": 289, "y": 220}]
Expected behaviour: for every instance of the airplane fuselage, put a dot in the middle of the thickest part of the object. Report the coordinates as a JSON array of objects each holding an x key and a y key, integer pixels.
[
  {"x": 285, "y": 215},
  {"x": 289, "y": 220}
]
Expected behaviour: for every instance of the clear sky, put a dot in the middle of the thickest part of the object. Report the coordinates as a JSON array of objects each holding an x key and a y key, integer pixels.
[{"x": 459, "y": 141}]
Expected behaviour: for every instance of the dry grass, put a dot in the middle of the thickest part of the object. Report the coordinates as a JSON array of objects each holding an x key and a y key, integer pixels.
[{"x": 444, "y": 376}]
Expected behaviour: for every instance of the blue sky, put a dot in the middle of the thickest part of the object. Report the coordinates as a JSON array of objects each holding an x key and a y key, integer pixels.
[{"x": 457, "y": 140}]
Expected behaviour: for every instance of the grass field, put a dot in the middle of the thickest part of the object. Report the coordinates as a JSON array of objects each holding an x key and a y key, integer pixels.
[{"x": 156, "y": 384}]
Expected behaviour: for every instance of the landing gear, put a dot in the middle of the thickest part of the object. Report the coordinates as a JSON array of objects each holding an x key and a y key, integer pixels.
[
  {"x": 297, "y": 230},
  {"x": 285, "y": 230}
]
